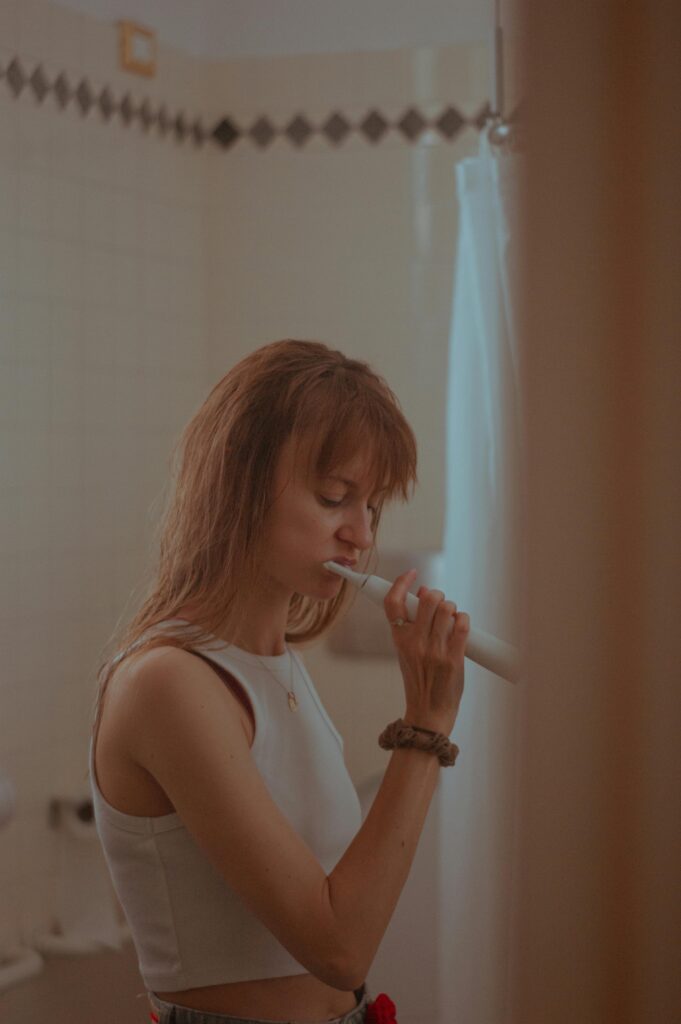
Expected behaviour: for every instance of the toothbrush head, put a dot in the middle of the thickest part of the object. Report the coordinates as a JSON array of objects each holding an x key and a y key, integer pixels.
[
  {"x": 342, "y": 570},
  {"x": 358, "y": 578}
]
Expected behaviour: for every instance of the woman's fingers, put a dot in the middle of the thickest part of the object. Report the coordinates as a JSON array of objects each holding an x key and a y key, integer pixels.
[
  {"x": 429, "y": 603},
  {"x": 434, "y": 612},
  {"x": 395, "y": 600}
]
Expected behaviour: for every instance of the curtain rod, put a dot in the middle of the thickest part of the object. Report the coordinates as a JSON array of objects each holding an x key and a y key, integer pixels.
[{"x": 499, "y": 131}]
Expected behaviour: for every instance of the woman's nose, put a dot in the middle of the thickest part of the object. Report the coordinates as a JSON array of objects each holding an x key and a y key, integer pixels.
[{"x": 357, "y": 529}]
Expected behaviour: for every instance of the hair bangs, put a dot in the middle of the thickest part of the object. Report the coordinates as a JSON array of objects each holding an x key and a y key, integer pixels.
[{"x": 342, "y": 431}]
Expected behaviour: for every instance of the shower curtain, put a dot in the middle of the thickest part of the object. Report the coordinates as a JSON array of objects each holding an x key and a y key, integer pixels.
[{"x": 481, "y": 563}]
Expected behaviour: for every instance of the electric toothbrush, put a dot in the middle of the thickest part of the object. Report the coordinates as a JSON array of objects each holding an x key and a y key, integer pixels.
[{"x": 482, "y": 648}]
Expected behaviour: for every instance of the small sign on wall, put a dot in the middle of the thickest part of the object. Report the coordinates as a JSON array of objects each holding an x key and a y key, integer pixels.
[{"x": 137, "y": 48}]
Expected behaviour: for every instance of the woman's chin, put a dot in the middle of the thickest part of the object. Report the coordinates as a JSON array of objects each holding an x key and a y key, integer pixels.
[
  {"x": 332, "y": 580},
  {"x": 326, "y": 585}
]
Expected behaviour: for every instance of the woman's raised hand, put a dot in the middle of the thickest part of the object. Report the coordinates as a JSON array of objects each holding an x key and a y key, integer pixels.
[{"x": 431, "y": 654}]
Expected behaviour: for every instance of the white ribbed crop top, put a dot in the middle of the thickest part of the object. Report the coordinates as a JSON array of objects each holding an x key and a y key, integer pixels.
[{"x": 189, "y": 927}]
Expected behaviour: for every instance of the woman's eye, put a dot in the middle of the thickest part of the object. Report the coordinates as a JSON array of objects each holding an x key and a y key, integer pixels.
[{"x": 334, "y": 504}]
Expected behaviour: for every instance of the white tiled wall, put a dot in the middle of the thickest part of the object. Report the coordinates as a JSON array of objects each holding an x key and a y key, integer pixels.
[{"x": 134, "y": 271}]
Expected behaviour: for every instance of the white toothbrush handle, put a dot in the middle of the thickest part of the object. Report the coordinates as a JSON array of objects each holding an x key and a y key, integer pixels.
[{"x": 484, "y": 649}]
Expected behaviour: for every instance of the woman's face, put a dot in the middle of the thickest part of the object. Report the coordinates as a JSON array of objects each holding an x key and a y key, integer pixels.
[{"x": 315, "y": 521}]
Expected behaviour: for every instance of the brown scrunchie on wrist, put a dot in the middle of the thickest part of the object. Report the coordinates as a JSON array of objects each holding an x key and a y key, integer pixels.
[{"x": 399, "y": 734}]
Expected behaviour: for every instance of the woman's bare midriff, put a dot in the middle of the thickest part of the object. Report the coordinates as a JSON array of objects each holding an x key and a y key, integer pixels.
[
  {"x": 132, "y": 790},
  {"x": 301, "y": 997}
]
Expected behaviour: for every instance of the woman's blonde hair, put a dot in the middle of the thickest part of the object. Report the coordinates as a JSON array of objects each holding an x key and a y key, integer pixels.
[{"x": 332, "y": 407}]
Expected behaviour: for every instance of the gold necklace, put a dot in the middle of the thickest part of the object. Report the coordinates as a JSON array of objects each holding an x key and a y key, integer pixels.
[{"x": 292, "y": 702}]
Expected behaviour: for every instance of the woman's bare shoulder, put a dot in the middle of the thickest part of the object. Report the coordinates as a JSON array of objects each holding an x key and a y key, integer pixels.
[
  {"x": 157, "y": 668},
  {"x": 152, "y": 659}
]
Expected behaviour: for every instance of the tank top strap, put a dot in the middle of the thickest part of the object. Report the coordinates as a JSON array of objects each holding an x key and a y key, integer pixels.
[{"x": 145, "y": 636}]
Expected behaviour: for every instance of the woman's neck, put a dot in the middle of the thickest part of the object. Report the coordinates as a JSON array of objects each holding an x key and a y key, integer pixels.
[{"x": 266, "y": 648}]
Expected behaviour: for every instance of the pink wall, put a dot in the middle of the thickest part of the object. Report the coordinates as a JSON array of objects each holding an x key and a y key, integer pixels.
[{"x": 596, "y": 884}]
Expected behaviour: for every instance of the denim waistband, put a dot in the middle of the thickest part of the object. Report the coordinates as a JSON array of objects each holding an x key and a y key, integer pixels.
[{"x": 172, "y": 1013}]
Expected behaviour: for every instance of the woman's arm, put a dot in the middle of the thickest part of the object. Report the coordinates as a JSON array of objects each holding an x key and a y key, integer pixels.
[{"x": 366, "y": 883}]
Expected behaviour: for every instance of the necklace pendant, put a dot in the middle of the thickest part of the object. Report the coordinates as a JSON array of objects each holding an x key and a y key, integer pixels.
[{"x": 292, "y": 702}]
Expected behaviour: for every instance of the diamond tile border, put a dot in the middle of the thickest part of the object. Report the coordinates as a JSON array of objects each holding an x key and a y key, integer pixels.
[{"x": 226, "y": 133}]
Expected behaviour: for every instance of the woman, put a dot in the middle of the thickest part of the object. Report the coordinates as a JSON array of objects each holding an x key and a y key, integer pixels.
[{"x": 230, "y": 825}]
